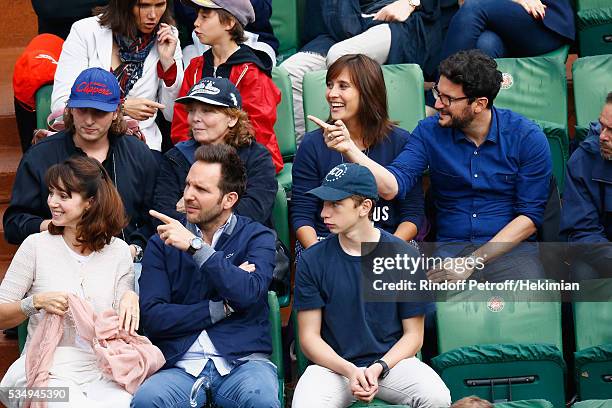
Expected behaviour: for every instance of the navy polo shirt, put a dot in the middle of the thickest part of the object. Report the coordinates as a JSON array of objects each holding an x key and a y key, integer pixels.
[
  {"x": 477, "y": 191},
  {"x": 361, "y": 332}
]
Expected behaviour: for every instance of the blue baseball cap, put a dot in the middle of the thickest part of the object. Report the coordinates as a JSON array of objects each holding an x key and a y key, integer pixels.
[
  {"x": 214, "y": 91},
  {"x": 95, "y": 88},
  {"x": 345, "y": 180}
]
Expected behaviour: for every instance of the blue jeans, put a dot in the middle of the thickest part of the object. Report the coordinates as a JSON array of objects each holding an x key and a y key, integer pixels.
[
  {"x": 499, "y": 28},
  {"x": 253, "y": 384}
]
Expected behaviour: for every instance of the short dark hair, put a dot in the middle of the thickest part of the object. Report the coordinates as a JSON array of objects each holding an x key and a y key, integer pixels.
[
  {"x": 106, "y": 215},
  {"x": 359, "y": 199},
  {"x": 609, "y": 97},
  {"x": 233, "y": 173},
  {"x": 476, "y": 72},
  {"x": 117, "y": 15}
]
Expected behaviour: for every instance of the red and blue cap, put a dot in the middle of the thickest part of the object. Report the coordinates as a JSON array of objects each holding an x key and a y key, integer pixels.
[{"x": 95, "y": 88}]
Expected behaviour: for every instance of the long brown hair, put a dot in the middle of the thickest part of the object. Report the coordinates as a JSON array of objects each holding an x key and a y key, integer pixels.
[
  {"x": 366, "y": 74},
  {"x": 117, "y": 15},
  {"x": 105, "y": 217}
]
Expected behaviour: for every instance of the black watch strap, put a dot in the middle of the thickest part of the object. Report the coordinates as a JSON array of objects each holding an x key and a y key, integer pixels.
[{"x": 385, "y": 367}]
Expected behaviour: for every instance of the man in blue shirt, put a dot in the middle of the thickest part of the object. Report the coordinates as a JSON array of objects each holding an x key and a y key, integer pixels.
[
  {"x": 587, "y": 201},
  {"x": 490, "y": 172},
  {"x": 203, "y": 294},
  {"x": 360, "y": 349}
]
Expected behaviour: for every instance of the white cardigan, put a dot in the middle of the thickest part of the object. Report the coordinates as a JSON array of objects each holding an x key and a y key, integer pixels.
[{"x": 91, "y": 45}]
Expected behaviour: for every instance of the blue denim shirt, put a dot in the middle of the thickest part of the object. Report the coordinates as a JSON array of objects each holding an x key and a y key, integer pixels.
[{"x": 479, "y": 190}]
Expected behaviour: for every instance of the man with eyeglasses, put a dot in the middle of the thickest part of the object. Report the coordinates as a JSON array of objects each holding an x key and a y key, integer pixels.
[{"x": 490, "y": 171}]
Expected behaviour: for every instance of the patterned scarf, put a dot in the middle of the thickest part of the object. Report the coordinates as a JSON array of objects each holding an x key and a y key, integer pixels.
[{"x": 132, "y": 54}]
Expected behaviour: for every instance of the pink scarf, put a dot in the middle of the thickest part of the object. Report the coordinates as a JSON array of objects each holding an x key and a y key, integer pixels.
[{"x": 123, "y": 358}]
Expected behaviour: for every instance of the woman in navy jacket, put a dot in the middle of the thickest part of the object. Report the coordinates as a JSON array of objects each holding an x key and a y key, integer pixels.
[
  {"x": 510, "y": 28},
  {"x": 217, "y": 118},
  {"x": 356, "y": 96}
]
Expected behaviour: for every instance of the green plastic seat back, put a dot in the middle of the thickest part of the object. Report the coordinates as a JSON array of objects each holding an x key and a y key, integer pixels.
[
  {"x": 405, "y": 95},
  {"x": 560, "y": 54},
  {"x": 593, "y": 404},
  {"x": 277, "y": 343},
  {"x": 478, "y": 317},
  {"x": 284, "y": 126},
  {"x": 590, "y": 75},
  {"x": 594, "y": 27},
  {"x": 280, "y": 216},
  {"x": 22, "y": 334},
  {"x": 535, "y": 403},
  {"x": 284, "y": 21},
  {"x": 43, "y": 105},
  {"x": 536, "y": 88},
  {"x": 593, "y": 320},
  {"x": 592, "y": 4}
]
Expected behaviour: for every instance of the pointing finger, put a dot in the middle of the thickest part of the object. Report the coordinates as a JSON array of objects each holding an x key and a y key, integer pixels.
[
  {"x": 318, "y": 122},
  {"x": 162, "y": 217}
]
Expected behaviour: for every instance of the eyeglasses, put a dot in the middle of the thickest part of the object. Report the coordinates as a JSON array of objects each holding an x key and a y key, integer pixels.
[{"x": 445, "y": 99}]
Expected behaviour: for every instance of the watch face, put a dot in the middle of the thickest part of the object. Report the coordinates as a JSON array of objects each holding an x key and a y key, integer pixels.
[{"x": 196, "y": 243}]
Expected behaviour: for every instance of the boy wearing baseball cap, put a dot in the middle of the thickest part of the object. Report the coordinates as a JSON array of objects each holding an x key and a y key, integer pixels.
[
  {"x": 220, "y": 24},
  {"x": 360, "y": 350}
]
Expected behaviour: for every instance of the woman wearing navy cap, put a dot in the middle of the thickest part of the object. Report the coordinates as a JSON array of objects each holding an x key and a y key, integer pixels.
[{"x": 215, "y": 115}]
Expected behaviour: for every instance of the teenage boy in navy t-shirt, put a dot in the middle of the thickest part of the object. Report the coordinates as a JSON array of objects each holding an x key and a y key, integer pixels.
[{"x": 360, "y": 350}]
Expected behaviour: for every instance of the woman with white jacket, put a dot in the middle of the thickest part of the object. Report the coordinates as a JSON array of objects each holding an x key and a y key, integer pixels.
[{"x": 134, "y": 40}]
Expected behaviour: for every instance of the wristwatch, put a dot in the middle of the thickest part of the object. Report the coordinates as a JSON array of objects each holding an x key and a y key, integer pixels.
[
  {"x": 27, "y": 306},
  {"x": 415, "y": 3},
  {"x": 195, "y": 244},
  {"x": 139, "y": 253},
  {"x": 385, "y": 367}
]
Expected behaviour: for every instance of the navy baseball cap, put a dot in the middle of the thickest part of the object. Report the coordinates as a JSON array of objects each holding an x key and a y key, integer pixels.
[
  {"x": 95, "y": 88},
  {"x": 214, "y": 91},
  {"x": 345, "y": 180}
]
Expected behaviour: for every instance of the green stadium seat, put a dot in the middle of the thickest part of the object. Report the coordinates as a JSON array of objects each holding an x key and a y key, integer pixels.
[
  {"x": 594, "y": 27},
  {"x": 535, "y": 403},
  {"x": 280, "y": 221},
  {"x": 500, "y": 347},
  {"x": 405, "y": 95},
  {"x": 284, "y": 21},
  {"x": 22, "y": 334},
  {"x": 559, "y": 54},
  {"x": 593, "y": 404},
  {"x": 284, "y": 126},
  {"x": 536, "y": 88},
  {"x": 43, "y": 105},
  {"x": 590, "y": 76},
  {"x": 593, "y": 356},
  {"x": 277, "y": 344}
]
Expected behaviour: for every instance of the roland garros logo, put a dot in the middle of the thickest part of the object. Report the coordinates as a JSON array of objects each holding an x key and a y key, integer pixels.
[
  {"x": 93, "y": 88},
  {"x": 507, "y": 81}
]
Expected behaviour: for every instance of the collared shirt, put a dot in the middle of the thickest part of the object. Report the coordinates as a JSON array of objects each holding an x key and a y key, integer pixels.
[
  {"x": 203, "y": 349},
  {"x": 478, "y": 190}
]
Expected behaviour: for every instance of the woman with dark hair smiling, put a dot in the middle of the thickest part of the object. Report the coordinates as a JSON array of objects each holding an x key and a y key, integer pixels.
[
  {"x": 357, "y": 99},
  {"x": 135, "y": 40},
  {"x": 78, "y": 255}
]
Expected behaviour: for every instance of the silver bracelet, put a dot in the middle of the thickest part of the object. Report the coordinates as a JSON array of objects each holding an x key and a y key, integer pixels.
[{"x": 27, "y": 306}]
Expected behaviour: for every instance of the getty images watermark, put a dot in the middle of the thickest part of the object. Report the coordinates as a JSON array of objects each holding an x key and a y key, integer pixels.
[{"x": 393, "y": 272}]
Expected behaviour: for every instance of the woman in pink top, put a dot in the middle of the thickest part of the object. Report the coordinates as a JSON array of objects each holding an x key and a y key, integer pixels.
[{"x": 78, "y": 255}]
